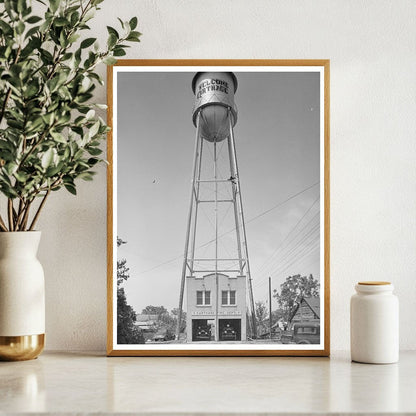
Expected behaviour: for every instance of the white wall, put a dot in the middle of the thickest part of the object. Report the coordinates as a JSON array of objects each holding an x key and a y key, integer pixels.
[{"x": 371, "y": 45}]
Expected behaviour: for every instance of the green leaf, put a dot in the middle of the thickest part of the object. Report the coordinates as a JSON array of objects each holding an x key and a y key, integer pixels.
[
  {"x": 119, "y": 52},
  {"x": 33, "y": 19},
  {"x": 61, "y": 21},
  {"x": 10, "y": 8},
  {"x": 89, "y": 15},
  {"x": 133, "y": 23},
  {"x": 7, "y": 29},
  {"x": 63, "y": 41},
  {"x": 52, "y": 171},
  {"x": 110, "y": 60},
  {"x": 112, "y": 40},
  {"x": 47, "y": 158},
  {"x": 67, "y": 56},
  {"x": 78, "y": 154},
  {"x": 87, "y": 42},
  {"x": 35, "y": 125},
  {"x": 67, "y": 153},
  {"x": 134, "y": 37},
  {"x": 11, "y": 168},
  {"x": 86, "y": 176},
  {"x": 74, "y": 18},
  {"x": 94, "y": 151},
  {"x": 73, "y": 38},
  {"x": 20, "y": 28},
  {"x": 53, "y": 83},
  {"x": 26, "y": 11},
  {"x": 21, "y": 177},
  {"x": 90, "y": 114},
  {"x": 54, "y": 4},
  {"x": 60, "y": 138},
  {"x": 21, "y": 5},
  {"x": 94, "y": 129},
  {"x": 31, "y": 90},
  {"x": 111, "y": 30},
  {"x": 92, "y": 161},
  {"x": 71, "y": 188},
  {"x": 48, "y": 118}
]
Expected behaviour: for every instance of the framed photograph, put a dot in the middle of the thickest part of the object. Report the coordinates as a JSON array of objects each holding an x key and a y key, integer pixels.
[{"x": 218, "y": 208}]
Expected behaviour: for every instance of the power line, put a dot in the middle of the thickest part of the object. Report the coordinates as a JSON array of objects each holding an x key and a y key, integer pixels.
[
  {"x": 309, "y": 250},
  {"x": 288, "y": 234},
  {"x": 297, "y": 244},
  {"x": 305, "y": 243},
  {"x": 289, "y": 261},
  {"x": 229, "y": 231},
  {"x": 301, "y": 262}
]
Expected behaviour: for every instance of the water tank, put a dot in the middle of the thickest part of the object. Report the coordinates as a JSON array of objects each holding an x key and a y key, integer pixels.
[{"x": 214, "y": 97}]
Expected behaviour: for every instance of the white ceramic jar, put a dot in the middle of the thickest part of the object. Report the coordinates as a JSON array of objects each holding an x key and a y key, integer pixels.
[{"x": 374, "y": 323}]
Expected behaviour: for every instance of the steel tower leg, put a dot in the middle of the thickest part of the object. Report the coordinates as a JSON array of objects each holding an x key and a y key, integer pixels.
[
  {"x": 193, "y": 201},
  {"x": 234, "y": 175},
  {"x": 244, "y": 235}
]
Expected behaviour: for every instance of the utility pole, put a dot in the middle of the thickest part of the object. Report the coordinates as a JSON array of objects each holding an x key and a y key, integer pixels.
[{"x": 270, "y": 306}]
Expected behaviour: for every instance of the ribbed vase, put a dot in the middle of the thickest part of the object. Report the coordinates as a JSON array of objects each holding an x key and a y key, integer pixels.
[{"x": 22, "y": 296}]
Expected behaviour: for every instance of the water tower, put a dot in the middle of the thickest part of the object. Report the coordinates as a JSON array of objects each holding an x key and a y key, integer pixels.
[{"x": 215, "y": 278}]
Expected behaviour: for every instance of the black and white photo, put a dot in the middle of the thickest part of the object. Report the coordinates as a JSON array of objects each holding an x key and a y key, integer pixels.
[{"x": 219, "y": 218}]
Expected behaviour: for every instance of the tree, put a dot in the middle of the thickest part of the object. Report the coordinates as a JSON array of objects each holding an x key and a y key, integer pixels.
[
  {"x": 175, "y": 314},
  {"x": 292, "y": 291},
  {"x": 127, "y": 332},
  {"x": 261, "y": 314},
  {"x": 160, "y": 311}
]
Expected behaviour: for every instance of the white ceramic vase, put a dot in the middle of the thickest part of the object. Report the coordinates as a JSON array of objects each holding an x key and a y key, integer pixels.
[{"x": 22, "y": 296}]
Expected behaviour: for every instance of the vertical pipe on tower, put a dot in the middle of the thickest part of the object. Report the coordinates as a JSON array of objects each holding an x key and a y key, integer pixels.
[
  {"x": 217, "y": 329},
  {"x": 196, "y": 192}
]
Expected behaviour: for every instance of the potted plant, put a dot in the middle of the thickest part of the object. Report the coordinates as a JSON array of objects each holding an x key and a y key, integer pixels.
[{"x": 50, "y": 137}]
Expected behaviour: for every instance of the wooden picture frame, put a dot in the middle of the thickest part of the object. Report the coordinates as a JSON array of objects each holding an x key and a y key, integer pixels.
[{"x": 208, "y": 336}]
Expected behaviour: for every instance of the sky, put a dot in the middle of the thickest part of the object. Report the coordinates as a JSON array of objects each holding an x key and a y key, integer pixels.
[{"x": 277, "y": 144}]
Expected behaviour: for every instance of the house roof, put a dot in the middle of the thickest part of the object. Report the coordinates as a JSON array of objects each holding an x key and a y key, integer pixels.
[
  {"x": 146, "y": 318},
  {"x": 313, "y": 303}
]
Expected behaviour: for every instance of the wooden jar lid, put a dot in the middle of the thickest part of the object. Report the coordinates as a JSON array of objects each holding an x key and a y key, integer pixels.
[{"x": 374, "y": 283}]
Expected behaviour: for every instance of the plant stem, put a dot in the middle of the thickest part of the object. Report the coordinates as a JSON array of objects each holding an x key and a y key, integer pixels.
[
  {"x": 10, "y": 213},
  {"x": 17, "y": 217},
  {"x": 26, "y": 216},
  {"x": 39, "y": 209},
  {"x": 20, "y": 213},
  {"x": 2, "y": 224}
]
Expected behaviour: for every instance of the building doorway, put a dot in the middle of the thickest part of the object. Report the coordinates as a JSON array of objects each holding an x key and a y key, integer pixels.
[
  {"x": 201, "y": 330},
  {"x": 230, "y": 329}
]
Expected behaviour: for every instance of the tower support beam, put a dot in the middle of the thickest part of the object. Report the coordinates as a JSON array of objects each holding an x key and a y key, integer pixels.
[
  {"x": 198, "y": 139},
  {"x": 243, "y": 226}
]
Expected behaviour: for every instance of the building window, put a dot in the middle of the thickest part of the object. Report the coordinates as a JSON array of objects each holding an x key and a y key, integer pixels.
[
  {"x": 203, "y": 297},
  {"x": 228, "y": 297}
]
